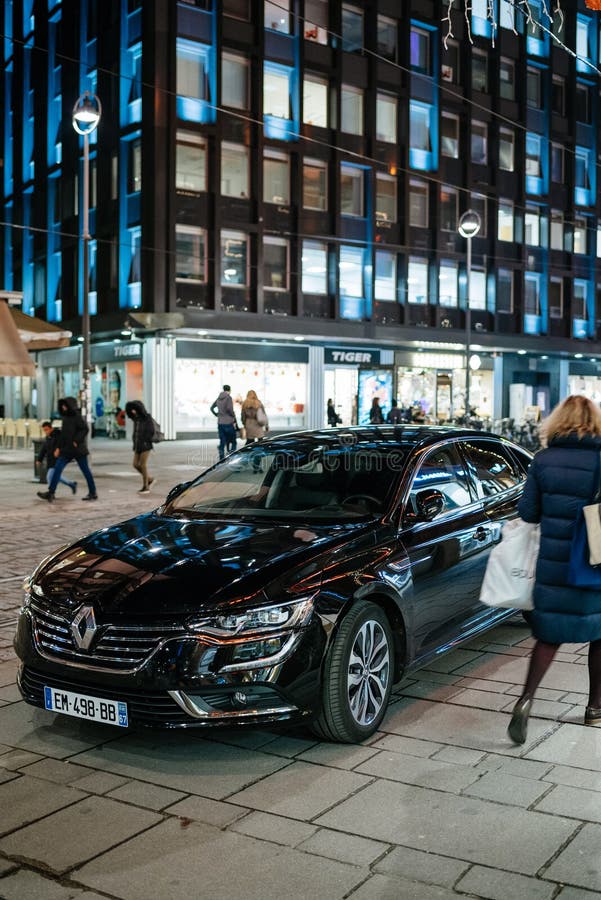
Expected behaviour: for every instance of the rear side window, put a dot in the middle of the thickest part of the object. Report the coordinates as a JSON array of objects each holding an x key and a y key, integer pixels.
[
  {"x": 442, "y": 470},
  {"x": 492, "y": 467}
]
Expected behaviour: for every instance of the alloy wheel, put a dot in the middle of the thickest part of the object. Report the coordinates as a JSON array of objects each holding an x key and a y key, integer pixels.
[{"x": 368, "y": 672}]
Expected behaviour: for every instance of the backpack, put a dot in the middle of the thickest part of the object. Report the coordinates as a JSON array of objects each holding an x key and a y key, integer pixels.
[{"x": 157, "y": 434}]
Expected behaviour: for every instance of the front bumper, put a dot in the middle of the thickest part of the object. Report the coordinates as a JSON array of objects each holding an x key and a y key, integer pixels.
[{"x": 179, "y": 686}]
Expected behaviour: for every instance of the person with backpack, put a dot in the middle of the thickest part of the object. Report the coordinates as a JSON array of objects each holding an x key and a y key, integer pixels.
[
  {"x": 51, "y": 443},
  {"x": 143, "y": 436},
  {"x": 72, "y": 445},
  {"x": 254, "y": 418}
]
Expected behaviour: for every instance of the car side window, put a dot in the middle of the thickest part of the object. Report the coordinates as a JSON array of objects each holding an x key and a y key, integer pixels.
[
  {"x": 492, "y": 467},
  {"x": 441, "y": 470}
]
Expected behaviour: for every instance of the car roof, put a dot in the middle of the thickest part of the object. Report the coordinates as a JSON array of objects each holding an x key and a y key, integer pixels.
[{"x": 406, "y": 436}]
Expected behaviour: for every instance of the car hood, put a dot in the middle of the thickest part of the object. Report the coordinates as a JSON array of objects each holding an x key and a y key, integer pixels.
[{"x": 154, "y": 565}]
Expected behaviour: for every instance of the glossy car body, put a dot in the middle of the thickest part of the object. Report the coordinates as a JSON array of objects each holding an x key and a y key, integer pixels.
[{"x": 230, "y": 602}]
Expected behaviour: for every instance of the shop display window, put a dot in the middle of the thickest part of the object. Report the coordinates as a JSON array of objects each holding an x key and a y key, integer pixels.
[{"x": 281, "y": 386}]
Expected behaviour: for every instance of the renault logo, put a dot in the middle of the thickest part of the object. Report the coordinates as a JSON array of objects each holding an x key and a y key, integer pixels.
[{"x": 83, "y": 627}]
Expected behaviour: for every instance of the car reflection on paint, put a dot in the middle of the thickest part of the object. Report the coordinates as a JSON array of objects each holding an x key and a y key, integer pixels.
[{"x": 296, "y": 580}]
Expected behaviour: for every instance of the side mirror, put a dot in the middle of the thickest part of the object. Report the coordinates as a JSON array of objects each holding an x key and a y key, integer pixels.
[
  {"x": 429, "y": 504},
  {"x": 175, "y": 491}
]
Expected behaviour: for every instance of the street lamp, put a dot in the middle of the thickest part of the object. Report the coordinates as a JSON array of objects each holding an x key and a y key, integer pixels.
[
  {"x": 469, "y": 226},
  {"x": 85, "y": 118}
]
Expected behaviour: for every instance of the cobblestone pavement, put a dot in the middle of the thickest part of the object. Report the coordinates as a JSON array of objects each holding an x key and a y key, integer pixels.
[{"x": 438, "y": 804}]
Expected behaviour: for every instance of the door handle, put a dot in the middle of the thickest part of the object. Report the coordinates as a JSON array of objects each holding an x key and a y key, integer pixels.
[{"x": 480, "y": 534}]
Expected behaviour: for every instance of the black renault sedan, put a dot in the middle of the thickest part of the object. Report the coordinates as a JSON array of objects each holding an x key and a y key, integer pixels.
[{"x": 297, "y": 579}]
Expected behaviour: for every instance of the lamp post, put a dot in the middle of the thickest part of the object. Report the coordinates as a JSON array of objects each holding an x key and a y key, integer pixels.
[
  {"x": 469, "y": 226},
  {"x": 85, "y": 118}
]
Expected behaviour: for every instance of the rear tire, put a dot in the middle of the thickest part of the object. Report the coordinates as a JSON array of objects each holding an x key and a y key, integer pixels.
[{"x": 357, "y": 677}]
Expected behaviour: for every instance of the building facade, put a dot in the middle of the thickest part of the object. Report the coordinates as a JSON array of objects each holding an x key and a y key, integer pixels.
[{"x": 275, "y": 195}]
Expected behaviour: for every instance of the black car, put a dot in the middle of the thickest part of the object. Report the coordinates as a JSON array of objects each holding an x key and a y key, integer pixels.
[{"x": 297, "y": 579}]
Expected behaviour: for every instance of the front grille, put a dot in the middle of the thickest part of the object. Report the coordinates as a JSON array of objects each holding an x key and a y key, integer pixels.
[
  {"x": 115, "y": 647},
  {"x": 144, "y": 707}
]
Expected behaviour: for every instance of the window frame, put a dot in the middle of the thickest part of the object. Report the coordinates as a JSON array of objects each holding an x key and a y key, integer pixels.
[
  {"x": 271, "y": 240},
  {"x": 234, "y": 234},
  {"x": 203, "y": 235}
]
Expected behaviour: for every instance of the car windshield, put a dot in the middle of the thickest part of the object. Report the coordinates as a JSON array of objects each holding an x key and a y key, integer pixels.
[{"x": 311, "y": 482}]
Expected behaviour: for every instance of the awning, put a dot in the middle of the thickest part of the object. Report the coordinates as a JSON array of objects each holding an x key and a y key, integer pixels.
[
  {"x": 37, "y": 334},
  {"x": 14, "y": 358}
]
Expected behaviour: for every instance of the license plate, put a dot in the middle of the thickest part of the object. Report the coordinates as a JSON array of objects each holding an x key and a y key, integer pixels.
[{"x": 94, "y": 709}]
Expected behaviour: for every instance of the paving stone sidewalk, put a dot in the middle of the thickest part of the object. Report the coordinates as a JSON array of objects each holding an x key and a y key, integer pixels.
[{"x": 438, "y": 804}]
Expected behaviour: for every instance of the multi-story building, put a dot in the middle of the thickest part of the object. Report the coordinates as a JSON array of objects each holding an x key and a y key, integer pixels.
[{"x": 275, "y": 195}]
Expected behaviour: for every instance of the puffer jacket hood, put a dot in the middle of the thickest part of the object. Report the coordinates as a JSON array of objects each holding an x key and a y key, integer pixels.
[
  {"x": 138, "y": 408},
  {"x": 67, "y": 406}
]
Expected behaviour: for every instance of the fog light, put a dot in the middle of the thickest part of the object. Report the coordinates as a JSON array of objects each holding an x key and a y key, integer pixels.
[{"x": 240, "y": 698}]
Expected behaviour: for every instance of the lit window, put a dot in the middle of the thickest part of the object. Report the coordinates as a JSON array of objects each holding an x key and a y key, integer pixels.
[
  {"x": 532, "y": 227},
  {"x": 351, "y": 109},
  {"x": 557, "y": 236},
  {"x": 192, "y": 76},
  {"x": 580, "y": 240},
  {"x": 477, "y": 299},
  {"x": 506, "y": 150},
  {"x": 583, "y": 47},
  {"x": 505, "y": 291},
  {"x": 387, "y": 38},
  {"x": 449, "y": 135},
  {"x": 447, "y": 283},
  {"x": 234, "y": 81},
  {"x": 507, "y": 15},
  {"x": 419, "y": 51},
  {"x": 234, "y": 259},
  {"x": 582, "y": 181},
  {"x": 277, "y": 16},
  {"x": 479, "y": 143},
  {"x": 419, "y": 127},
  {"x": 276, "y": 93},
  {"x": 134, "y": 168},
  {"x": 418, "y": 204},
  {"x": 417, "y": 280},
  {"x": 234, "y": 170},
  {"x": 449, "y": 69},
  {"x": 315, "y": 184},
  {"x": 352, "y": 29},
  {"x": 190, "y": 162},
  {"x": 505, "y": 221},
  {"x": 479, "y": 71},
  {"x": 386, "y": 197},
  {"x": 316, "y": 21},
  {"x": 448, "y": 208},
  {"x": 275, "y": 264},
  {"x": 276, "y": 178},
  {"x": 533, "y": 155},
  {"x": 556, "y": 298},
  {"x": 579, "y": 298},
  {"x": 385, "y": 281},
  {"x": 314, "y": 268},
  {"x": 386, "y": 118},
  {"x": 351, "y": 190},
  {"x": 315, "y": 101},
  {"x": 190, "y": 255},
  {"x": 350, "y": 271},
  {"x": 507, "y": 79}
]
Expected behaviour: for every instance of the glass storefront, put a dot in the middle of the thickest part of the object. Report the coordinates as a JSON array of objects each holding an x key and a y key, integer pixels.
[
  {"x": 436, "y": 383},
  {"x": 281, "y": 386},
  {"x": 341, "y": 385},
  {"x": 587, "y": 385}
]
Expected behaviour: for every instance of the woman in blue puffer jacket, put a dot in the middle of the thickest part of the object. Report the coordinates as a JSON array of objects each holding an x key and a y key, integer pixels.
[{"x": 563, "y": 478}]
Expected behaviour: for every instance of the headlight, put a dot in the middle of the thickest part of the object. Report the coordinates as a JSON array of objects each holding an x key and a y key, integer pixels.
[
  {"x": 29, "y": 582},
  {"x": 259, "y": 620}
]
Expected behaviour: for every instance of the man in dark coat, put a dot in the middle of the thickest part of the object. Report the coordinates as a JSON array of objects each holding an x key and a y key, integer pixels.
[
  {"x": 142, "y": 440},
  {"x": 72, "y": 445},
  {"x": 51, "y": 443},
  {"x": 562, "y": 479},
  {"x": 227, "y": 425}
]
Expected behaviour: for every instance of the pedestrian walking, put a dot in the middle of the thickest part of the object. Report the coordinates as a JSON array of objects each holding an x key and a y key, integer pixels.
[
  {"x": 72, "y": 445},
  {"x": 254, "y": 418},
  {"x": 142, "y": 440},
  {"x": 333, "y": 417},
  {"x": 227, "y": 425},
  {"x": 47, "y": 449},
  {"x": 395, "y": 416},
  {"x": 562, "y": 478},
  {"x": 376, "y": 413}
]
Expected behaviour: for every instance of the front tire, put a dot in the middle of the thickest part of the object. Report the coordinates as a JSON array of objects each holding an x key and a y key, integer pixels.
[{"x": 357, "y": 678}]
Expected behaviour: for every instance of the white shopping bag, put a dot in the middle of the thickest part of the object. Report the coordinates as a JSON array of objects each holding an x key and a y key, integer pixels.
[{"x": 509, "y": 577}]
